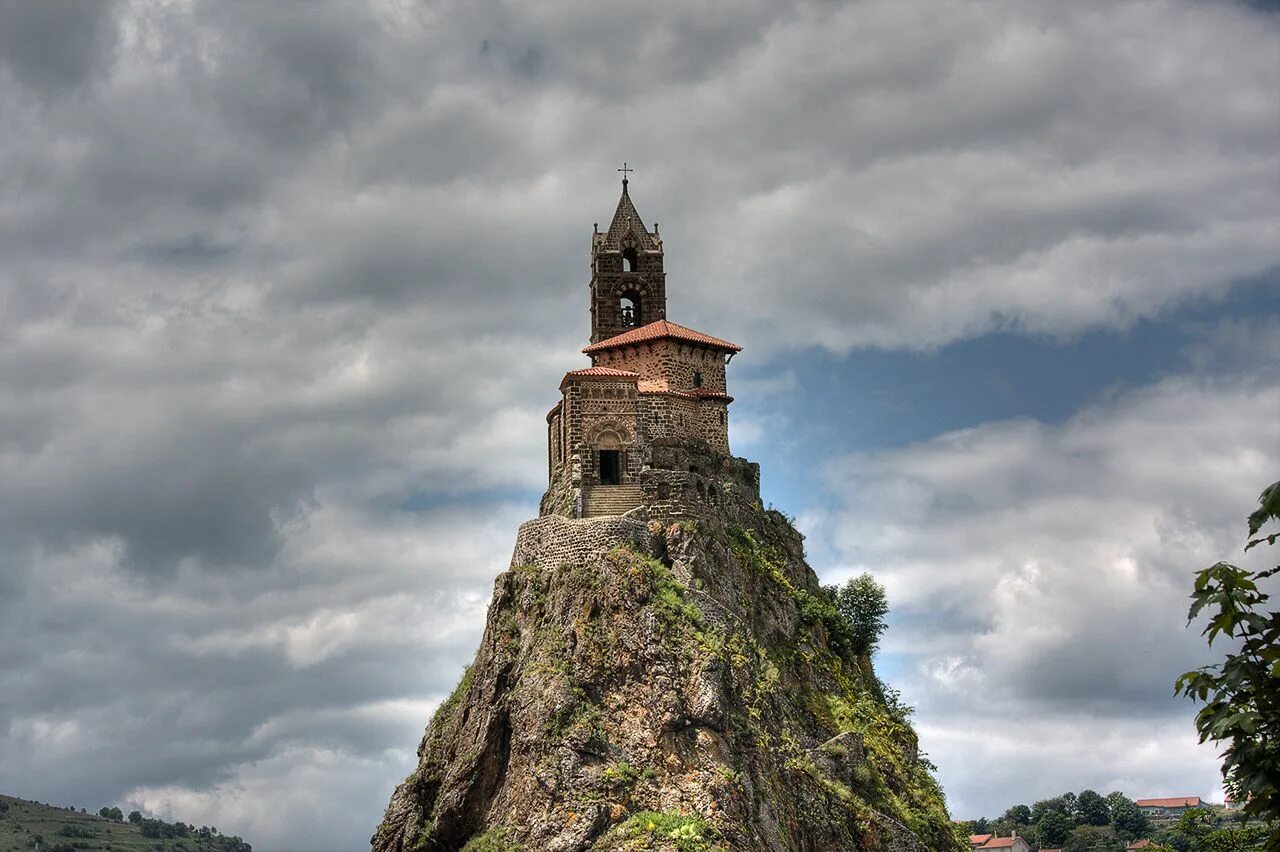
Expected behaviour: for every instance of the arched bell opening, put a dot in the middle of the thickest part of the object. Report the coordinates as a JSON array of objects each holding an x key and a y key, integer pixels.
[{"x": 630, "y": 308}]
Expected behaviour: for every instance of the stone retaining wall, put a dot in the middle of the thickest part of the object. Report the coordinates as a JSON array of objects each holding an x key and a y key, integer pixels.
[{"x": 554, "y": 540}]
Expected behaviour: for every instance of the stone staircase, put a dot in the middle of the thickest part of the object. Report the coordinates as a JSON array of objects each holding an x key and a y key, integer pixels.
[{"x": 602, "y": 500}]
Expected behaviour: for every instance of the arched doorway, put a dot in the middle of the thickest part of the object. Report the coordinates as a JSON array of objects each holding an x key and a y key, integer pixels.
[{"x": 609, "y": 458}]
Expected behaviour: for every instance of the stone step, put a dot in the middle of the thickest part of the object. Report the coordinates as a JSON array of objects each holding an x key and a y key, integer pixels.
[{"x": 603, "y": 500}]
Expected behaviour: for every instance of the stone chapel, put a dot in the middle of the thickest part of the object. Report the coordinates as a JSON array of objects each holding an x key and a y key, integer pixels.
[{"x": 647, "y": 424}]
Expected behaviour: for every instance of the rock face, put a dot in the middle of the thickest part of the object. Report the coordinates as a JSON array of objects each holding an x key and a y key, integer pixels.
[{"x": 657, "y": 683}]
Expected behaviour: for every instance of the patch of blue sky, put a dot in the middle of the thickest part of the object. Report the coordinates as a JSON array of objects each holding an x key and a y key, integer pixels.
[{"x": 874, "y": 400}]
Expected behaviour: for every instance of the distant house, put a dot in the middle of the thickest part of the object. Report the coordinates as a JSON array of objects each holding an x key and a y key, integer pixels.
[
  {"x": 1137, "y": 844},
  {"x": 1169, "y": 808},
  {"x": 1231, "y": 804},
  {"x": 988, "y": 841}
]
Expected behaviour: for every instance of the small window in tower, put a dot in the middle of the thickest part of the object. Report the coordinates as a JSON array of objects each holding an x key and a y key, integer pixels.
[
  {"x": 630, "y": 262},
  {"x": 630, "y": 307},
  {"x": 697, "y": 379}
]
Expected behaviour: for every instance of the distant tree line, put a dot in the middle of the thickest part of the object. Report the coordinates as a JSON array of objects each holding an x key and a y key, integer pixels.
[
  {"x": 1090, "y": 822},
  {"x": 211, "y": 838},
  {"x": 1086, "y": 816}
]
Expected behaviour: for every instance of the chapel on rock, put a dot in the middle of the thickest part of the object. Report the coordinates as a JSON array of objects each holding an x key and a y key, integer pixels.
[{"x": 647, "y": 424}]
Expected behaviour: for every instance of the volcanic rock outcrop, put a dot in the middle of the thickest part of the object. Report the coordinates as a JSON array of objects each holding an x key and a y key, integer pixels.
[{"x": 644, "y": 684}]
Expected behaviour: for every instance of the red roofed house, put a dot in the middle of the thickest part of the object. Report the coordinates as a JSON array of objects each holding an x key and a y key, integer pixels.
[
  {"x": 987, "y": 841},
  {"x": 620, "y": 436},
  {"x": 1168, "y": 808}
]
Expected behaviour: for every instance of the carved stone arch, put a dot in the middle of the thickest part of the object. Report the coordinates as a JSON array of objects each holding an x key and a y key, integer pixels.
[
  {"x": 618, "y": 286},
  {"x": 621, "y": 432}
]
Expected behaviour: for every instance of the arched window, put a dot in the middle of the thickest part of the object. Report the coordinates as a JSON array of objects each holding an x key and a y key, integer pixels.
[
  {"x": 630, "y": 261},
  {"x": 630, "y": 307}
]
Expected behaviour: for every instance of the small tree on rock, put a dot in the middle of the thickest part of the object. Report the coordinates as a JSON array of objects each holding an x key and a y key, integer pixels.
[{"x": 863, "y": 604}]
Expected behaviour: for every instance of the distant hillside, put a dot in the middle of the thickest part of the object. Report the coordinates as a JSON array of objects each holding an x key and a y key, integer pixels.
[{"x": 26, "y": 826}]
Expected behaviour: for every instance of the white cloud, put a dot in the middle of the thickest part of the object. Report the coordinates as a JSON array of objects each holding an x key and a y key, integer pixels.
[{"x": 1039, "y": 576}]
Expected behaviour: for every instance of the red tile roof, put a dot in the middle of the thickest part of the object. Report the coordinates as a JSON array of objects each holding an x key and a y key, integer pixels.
[
  {"x": 979, "y": 839},
  {"x": 659, "y": 330},
  {"x": 601, "y": 373},
  {"x": 999, "y": 843},
  {"x": 1175, "y": 802}
]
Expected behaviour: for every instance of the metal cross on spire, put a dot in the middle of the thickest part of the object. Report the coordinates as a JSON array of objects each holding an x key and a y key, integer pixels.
[{"x": 624, "y": 171}]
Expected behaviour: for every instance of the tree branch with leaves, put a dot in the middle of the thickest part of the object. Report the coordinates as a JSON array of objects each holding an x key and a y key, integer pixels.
[{"x": 1241, "y": 695}]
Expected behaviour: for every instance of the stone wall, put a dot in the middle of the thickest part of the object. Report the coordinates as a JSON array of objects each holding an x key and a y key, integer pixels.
[
  {"x": 675, "y": 417},
  {"x": 713, "y": 423},
  {"x": 669, "y": 361},
  {"x": 685, "y": 480},
  {"x": 552, "y": 540}
]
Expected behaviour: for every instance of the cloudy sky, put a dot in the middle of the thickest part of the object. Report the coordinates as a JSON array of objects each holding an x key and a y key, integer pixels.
[{"x": 287, "y": 288}]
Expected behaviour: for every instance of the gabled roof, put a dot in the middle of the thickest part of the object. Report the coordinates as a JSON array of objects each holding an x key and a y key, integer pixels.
[
  {"x": 627, "y": 222},
  {"x": 979, "y": 839},
  {"x": 999, "y": 843},
  {"x": 1175, "y": 802},
  {"x": 658, "y": 330}
]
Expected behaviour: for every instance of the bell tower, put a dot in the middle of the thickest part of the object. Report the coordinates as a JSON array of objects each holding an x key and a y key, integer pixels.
[{"x": 628, "y": 284}]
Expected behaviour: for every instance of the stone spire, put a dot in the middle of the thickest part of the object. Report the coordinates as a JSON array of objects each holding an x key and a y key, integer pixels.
[{"x": 627, "y": 222}]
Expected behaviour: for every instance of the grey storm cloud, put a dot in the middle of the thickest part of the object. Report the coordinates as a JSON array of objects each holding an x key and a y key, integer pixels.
[
  {"x": 288, "y": 288},
  {"x": 58, "y": 45}
]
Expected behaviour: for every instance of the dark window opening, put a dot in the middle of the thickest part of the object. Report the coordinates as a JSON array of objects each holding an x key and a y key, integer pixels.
[
  {"x": 610, "y": 467},
  {"x": 697, "y": 379},
  {"x": 630, "y": 261}
]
